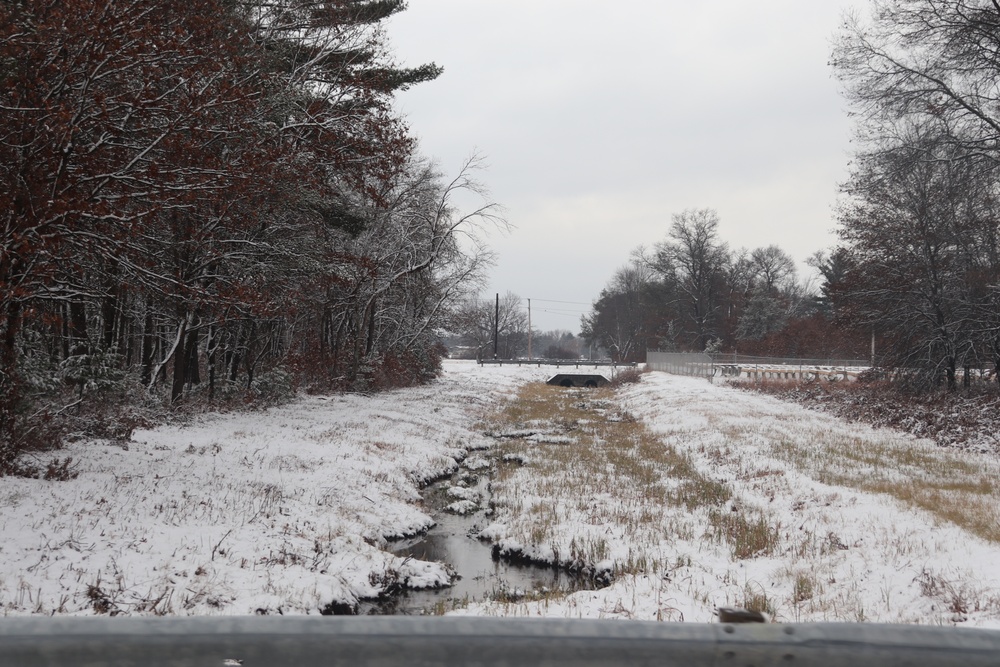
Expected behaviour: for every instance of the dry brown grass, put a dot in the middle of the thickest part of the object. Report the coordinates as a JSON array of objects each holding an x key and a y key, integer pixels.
[
  {"x": 965, "y": 419},
  {"x": 575, "y": 454},
  {"x": 956, "y": 487},
  {"x": 747, "y": 537},
  {"x": 756, "y": 599},
  {"x": 604, "y": 445}
]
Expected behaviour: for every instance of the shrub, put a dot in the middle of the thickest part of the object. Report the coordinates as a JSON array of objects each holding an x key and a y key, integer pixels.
[
  {"x": 275, "y": 384},
  {"x": 627, "y": 376},
  {"x": 559, "y": 352},
  {"x": 402, "y": 369},
  {"x": 43, "y": 433},
  {"x": 99, "y": 371}
]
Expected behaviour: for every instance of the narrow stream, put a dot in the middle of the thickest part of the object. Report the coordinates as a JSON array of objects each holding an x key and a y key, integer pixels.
[{"x": 452, "y": 540}]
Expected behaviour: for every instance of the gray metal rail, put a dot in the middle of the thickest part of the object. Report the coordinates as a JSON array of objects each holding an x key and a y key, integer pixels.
[
  {"x": 558, "y": 363},
  {"x": 424, "y": 642}
]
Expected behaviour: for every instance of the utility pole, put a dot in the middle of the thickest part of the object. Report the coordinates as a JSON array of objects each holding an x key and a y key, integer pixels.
[
  {"x": 873, "y": 346},
  {"x": 496, "y": 328},
  {"x": 529, "y": 329}
]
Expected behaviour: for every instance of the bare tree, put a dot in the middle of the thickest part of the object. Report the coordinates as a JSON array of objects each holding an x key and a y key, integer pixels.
[
  {"x": 430, "y": 253},
  {"x": 773, "y": 268},
  {"x": 775, "y": 295},
  {"x": 695, "y": 259},
  {"x": 621, "y": 316},
  {"x": 480, "y": 323},
  {"x": 923, "y": 78},
  {"x": 936, "y": 62},
  {"x": 914, "y": 228}
]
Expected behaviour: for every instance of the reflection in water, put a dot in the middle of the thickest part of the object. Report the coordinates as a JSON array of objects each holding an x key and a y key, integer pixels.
[{"x": 482, "y": 576}]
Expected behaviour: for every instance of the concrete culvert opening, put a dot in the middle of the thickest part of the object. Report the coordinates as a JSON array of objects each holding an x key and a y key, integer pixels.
[{"x": 589, "y": 380}]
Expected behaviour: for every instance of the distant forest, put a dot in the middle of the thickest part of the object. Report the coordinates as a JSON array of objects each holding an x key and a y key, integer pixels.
[{"x": 691, "y": 292}]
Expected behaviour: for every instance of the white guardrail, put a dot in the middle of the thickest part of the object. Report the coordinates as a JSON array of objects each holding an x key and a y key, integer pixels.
[
  {"x": 754, "y": 368},
  {"x": 425, "y": 642}
]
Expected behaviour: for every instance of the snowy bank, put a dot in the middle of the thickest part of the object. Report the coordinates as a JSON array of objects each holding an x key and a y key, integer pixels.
[{"x": 281, "y": 511}]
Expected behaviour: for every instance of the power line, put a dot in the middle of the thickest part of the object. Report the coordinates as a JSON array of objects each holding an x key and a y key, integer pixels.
[
  {"x": 562, "y": 313},
  {"x": 559, "y": 310},
  {"x": 474, "y": 299},
  {"x": 575, "y": 303}
]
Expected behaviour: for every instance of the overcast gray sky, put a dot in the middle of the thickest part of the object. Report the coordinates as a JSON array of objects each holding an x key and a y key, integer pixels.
[{"x": 598, "y": 120}]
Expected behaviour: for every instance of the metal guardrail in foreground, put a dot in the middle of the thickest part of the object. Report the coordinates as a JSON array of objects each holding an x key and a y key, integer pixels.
[{"x": 423, "y": 642}]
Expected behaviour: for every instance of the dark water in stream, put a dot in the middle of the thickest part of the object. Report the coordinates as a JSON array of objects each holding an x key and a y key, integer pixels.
[{"x": 483, "y": 577}]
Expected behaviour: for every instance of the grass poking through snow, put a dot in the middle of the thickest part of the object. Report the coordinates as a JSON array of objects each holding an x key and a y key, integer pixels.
[
  {"x": 957, "y": 487},
  {"x": 572, "y": 457},
  {"x": 692, "y": 496}
]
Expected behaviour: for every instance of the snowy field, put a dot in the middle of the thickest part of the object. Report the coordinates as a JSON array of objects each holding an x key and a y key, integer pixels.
[
  {"x": 807, "y": 517},
  {"x": 289, "y": 510}
]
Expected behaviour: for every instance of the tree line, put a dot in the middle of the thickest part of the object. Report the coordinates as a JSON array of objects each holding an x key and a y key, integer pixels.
[
  {"x": 206, "y": 199},
  {"x": 692, "y": 292},
  {"x": 918, "y": 223},
  {"x": 917, "y": 266}
]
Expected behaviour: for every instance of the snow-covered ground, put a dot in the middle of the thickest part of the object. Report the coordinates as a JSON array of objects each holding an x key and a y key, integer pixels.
[
  {"x": 288, "y": 510},
  {"x": 849, "y": 540},
  {"x": 284, "y": 510}
]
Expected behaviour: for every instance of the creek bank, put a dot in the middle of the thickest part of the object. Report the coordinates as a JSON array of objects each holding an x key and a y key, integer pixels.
[{"x": 460, "y": 507}]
